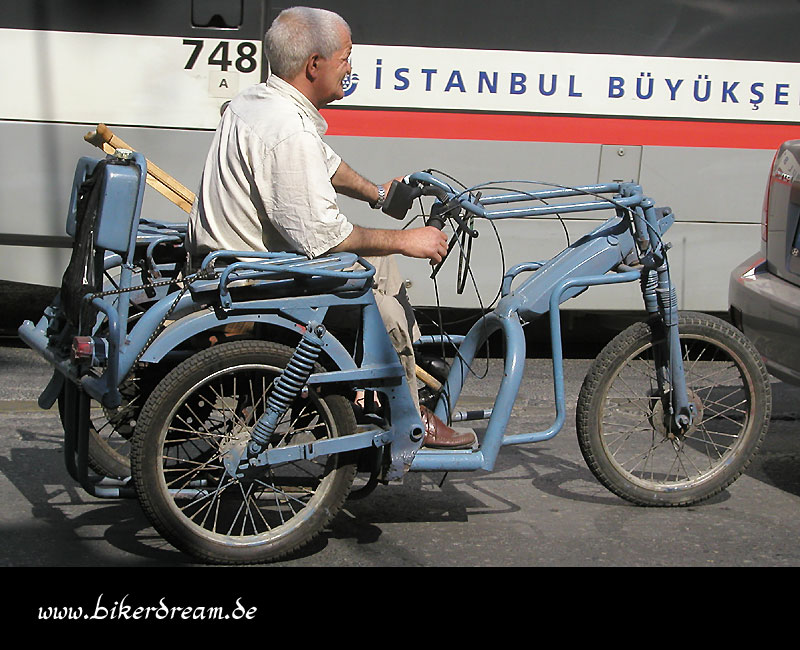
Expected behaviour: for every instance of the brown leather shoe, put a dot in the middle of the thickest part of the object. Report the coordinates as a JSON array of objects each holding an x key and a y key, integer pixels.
[{"x": 438, "y": 434}]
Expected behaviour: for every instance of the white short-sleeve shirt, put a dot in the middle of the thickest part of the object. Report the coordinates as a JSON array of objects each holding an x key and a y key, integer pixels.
[{"x": 266, "y": 184}]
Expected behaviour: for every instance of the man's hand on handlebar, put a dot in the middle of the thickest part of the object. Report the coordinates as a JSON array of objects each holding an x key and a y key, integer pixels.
[{"x": 426, "y": 243}]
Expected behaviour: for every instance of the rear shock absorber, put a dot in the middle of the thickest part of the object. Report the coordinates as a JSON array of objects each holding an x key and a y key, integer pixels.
[{"x": 287, "y": 387}]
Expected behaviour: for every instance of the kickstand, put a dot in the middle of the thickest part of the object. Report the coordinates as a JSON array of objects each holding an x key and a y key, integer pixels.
[{"x": 441, "y": 483}]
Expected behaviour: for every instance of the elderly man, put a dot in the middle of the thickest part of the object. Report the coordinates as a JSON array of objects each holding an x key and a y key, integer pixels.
[{"x": 270, "y": 181}]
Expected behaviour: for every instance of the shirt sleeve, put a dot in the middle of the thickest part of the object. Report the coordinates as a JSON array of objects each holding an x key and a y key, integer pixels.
[
  {"x": 332, "y": 159},
  {"x": 297, "y": 194}
]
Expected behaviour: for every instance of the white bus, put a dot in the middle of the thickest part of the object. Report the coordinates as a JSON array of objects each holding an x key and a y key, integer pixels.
[{"x": 690, "y": 98}]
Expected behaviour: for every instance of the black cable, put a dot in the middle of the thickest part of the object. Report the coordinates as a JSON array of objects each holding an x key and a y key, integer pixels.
[{"x": 440, "y": 321}]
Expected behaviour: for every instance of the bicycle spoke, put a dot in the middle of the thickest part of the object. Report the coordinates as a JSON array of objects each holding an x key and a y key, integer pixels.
[{"x": 220, "y": 414}]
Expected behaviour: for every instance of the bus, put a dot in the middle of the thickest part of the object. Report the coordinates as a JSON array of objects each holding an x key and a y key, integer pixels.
[{"x": 689, "y": 98}]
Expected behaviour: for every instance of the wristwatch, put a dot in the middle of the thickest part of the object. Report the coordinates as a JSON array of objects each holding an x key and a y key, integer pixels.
[{"x": 376, "y": 205}]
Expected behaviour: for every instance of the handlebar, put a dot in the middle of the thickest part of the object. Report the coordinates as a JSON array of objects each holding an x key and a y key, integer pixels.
[
  {"x": 460, "y": 206},
  {"x": 402, "y": 195}
]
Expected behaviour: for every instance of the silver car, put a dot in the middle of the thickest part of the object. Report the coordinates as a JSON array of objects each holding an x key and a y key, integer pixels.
[{"x": 764, "y": 291}]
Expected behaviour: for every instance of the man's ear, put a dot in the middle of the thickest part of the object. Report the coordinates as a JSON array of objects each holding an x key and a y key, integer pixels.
[{"x": 312, "y": 67}]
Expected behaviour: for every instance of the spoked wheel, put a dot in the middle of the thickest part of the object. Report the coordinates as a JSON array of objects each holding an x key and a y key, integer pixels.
[
  {"x": 628, "y": 442},
  {"x": 197, "y": 419}
]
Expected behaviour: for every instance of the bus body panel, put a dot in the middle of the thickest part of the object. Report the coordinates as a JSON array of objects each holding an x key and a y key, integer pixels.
[{"x": 690, "y": 100}]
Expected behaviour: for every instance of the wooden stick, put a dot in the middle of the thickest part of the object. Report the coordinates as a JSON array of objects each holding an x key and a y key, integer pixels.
[
  {"x": 157, "y": 178},
  {"x": 429, "y": 380}
]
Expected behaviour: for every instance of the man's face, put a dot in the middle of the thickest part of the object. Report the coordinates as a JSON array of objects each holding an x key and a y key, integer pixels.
[{"x": 331, "y": 73}]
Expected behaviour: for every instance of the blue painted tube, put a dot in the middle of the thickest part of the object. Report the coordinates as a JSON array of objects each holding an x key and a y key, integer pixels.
[
  {"x": 105, "y": 388},
  {"x": 455, "y": 339},
  {"x": 494, "y": 439},
  {"x": 36, "y": 339},
  {"x": 457, "y": 460},
  {"x": 558, "y": 355},
  {"x": 514, "y": 369},
  {"x": 513, "y": 272},
  {"x": 460, "y": 369},
  {"x": 550, "y": 194},
  {"x": 561, "y": 208}
]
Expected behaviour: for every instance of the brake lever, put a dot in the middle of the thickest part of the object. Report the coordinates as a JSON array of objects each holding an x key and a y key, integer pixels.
[
  {"x": 454, "y": 206},
  {"x": 462, "y": 227},
  {"x": 450, "y": 245}
]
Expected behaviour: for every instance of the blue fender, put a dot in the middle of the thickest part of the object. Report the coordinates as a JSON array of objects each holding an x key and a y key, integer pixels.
[{"x": 179, "y": 331}]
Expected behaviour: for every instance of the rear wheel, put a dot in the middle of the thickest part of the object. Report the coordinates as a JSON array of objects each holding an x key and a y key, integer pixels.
[
  {"x": 197, "y": 419},
  {"x": 623, "y": 431}
]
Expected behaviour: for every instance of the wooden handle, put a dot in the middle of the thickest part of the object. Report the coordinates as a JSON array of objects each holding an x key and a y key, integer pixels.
[
  {"x": 428, "y": 379},
  {"x": 105, "y": 139}
]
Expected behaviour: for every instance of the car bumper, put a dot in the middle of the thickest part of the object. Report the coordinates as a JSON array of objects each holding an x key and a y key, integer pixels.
[{"x": 767, "y": 309}]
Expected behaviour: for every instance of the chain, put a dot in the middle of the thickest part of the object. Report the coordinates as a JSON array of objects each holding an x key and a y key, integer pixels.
[
  {"x": 141, "y": 287},
  {"x": 198, "y": 275},
  {"x": 185, "y": 282},
  {"x": 160, "y": 327}
]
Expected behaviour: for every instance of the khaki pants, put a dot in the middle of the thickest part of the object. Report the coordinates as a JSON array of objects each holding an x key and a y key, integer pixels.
[
  {"x": 396, "y": 313},
  {"x": 398, "y": 316}
]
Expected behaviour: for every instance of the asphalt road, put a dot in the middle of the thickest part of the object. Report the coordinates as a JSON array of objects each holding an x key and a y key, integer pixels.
[{"x": 541, "y": 507}]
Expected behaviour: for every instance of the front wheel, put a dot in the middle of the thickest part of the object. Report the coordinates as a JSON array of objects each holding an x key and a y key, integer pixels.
[
  {"x": 200, "y": 415},
  {"x": 625, "y": 436}
]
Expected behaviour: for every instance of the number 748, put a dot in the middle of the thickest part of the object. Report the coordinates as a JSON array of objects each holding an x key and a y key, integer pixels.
[{"x": 245, "y": 62}]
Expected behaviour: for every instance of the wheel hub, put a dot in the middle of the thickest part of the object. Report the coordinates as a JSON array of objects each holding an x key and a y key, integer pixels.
[{"x": 661, "y": 421}]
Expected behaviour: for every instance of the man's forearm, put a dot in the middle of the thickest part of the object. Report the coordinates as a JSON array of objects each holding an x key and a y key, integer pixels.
[
  {"x": 424, "y": 243},
  {"x": 373, "y": 242}
]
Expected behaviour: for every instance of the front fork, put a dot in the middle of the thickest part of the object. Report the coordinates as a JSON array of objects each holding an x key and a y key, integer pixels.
[{"x": 661, "y": 302}]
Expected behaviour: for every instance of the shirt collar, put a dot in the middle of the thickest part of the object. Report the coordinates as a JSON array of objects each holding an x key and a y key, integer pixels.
[{"x": 288, "y": 90}]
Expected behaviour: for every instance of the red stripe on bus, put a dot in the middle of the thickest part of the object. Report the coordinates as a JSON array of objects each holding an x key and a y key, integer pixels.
[{"x": 549, "y": 128}]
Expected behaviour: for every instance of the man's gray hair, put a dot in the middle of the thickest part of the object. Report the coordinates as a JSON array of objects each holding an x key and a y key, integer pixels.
[{"x": 299, "y": 32}]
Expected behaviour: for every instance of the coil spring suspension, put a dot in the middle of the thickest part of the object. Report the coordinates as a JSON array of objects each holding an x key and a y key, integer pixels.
[
  {"x": 649, "y": 285},
  {"x": 667, "y": 300},
  {"x": 288, "y": 386}
]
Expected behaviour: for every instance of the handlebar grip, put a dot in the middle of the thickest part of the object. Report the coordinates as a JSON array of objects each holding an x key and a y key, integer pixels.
[
  {"x": 435, "y": 218},
  {"x": 399, "y": 199},
  {"x": 436, "y": 221}
]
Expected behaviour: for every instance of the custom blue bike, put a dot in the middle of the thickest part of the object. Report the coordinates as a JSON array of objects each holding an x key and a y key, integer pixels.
[{"x": 232, "y": 389}]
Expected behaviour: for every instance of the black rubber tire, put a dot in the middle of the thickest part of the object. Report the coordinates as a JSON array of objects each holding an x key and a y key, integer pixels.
[
  {"x": 230, "y": 521},
  {"x": 619, "y": 418},
  {"x": 110, "y": 432}
]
